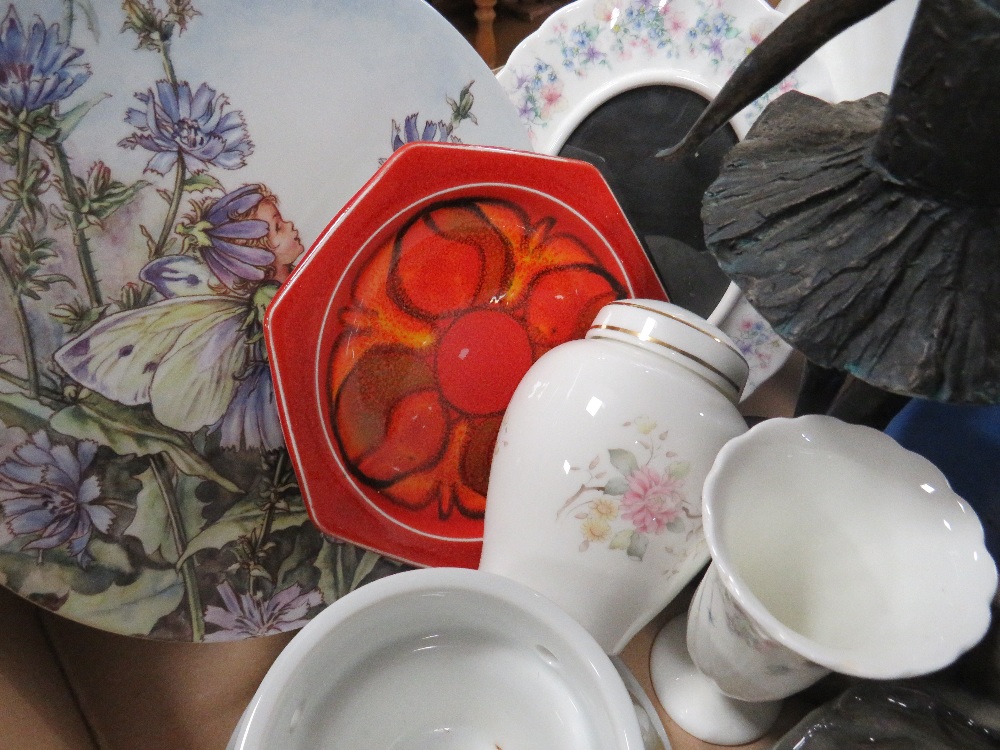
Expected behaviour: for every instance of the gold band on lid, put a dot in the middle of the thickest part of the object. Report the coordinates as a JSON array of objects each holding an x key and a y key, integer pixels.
[
  {"x": 671, "y": 347},
  {"x": 632, "y": 303}
]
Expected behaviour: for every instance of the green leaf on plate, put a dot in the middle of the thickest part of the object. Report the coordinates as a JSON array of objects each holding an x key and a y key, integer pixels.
[
  {"x": 344, "y": 567},
  {"x": 132, "y": 430},
  {"x": 679, "y": 469},
  {"x": 622, "y": 539},
  {"x": 623, "y": 460},
  {"x": 132, "y": 609},
  {"x": 19, "y": 410},
  {"x": 637, "y": 546},
  {"x": 67, "y": 122},
  {"x": 616, "y": 486},
  {"x": 151, "y": 524},
  {"x": 238, "y": 521},
  {"x": 201, "y": 182}
]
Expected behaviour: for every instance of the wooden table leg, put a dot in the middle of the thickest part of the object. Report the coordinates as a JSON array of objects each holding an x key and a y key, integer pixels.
[{"x": 486, "y": 43}]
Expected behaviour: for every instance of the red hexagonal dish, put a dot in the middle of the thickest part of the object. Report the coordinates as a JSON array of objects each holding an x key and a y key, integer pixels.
[{"x": 397, "y": 342}]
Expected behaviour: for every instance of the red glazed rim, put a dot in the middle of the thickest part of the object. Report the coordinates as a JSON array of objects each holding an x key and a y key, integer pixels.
[{"x": 303, "y": 324}]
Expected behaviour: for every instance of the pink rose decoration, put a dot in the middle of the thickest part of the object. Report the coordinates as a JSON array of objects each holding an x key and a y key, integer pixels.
[{"x": 652, "y": 500}]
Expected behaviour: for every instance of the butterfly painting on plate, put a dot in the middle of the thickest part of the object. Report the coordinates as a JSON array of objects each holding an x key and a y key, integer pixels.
[{"x": 145, "y": 487}]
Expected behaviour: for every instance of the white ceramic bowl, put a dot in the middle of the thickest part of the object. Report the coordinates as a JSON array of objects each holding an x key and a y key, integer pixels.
[{"x": 436, "y": 659}]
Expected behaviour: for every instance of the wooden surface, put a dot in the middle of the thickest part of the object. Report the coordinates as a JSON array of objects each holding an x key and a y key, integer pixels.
[
  {"x": 485, "y": 40},
  {"x": 157, "y": 695},
  {"x": 37, "y": 708}
]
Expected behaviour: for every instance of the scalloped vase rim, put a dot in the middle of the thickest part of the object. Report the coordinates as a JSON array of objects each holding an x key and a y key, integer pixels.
[{"x": 873, "y": 449}]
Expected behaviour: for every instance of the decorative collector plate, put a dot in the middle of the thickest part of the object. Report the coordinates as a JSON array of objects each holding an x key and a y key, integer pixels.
[
  {"x": 397, "y": 343},
  {"x": 163, "y": 163},
  {"x": 614, "y": 81}
]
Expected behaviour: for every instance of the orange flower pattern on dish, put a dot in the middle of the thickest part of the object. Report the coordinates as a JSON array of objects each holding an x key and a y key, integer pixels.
[{"x": 445, "y": 319}]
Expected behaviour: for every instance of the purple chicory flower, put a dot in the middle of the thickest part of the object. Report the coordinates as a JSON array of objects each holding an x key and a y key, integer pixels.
[
  {"x": 174, "y": 124},
  {"x": 37, "y": 69},
  {"x": 249, "y": 616},
  {"x": 46, "y": 497},
  {"x": 433, "y": 131}
]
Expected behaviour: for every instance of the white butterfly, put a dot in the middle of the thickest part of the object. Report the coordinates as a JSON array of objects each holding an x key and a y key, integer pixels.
[{"x": 192, "y": 356}]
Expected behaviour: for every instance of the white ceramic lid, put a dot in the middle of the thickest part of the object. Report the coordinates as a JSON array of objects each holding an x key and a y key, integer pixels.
[{"x": 677, "y": 334}]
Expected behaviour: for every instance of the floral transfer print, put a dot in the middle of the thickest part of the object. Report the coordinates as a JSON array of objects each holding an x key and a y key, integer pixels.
[
  {"x": 723, "y": 622},
  {"x": 539, "y": 93},
  {"x": 760, "y": 346},
  {"x": 698, "y": 32},
  {"x": 755, "y": 339},
  {"x": 628, "y": 498},
  {"x": 48, "y": 497},
  {"x": 37, "y": 69},
  {"x": 176, "y": 124},
  {"x": 142, "y": 465},
  {"x": 643, "y": 26},
  {"x": 248, "y": 616},
  {"x": 440, "y": 130}
]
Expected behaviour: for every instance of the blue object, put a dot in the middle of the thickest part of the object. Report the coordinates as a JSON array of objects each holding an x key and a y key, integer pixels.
[{"x": 963, "y": 441}]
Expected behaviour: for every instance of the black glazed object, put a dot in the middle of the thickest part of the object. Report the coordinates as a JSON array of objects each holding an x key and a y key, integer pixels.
[
  {"x": 867, "y": 232},
  {"x": 615, "y": 139},
  {"x": 888, "y": 716}
]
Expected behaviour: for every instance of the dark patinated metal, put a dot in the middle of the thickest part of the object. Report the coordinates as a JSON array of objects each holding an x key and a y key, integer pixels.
[{"x": 868, "y": 233}]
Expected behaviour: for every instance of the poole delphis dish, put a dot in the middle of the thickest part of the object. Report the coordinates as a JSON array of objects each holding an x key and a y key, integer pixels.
[
  {"x": 163, "y": 165},
  {"x": 612, "y": 82},
  {"x": 398, "y": 342}
]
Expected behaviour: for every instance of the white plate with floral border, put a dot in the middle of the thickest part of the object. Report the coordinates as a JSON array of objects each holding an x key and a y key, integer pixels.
[
  {"x": 591, "y": 51},
  {"x": 163, "y": 163}
]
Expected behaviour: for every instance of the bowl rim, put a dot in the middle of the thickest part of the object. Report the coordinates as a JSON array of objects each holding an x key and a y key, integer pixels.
[
  {"x": 250, "y": 733},
  {"x": 860, "y": 440}
]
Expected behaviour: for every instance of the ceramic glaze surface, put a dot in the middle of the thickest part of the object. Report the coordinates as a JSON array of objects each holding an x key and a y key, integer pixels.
[
  {"x": 378, "y": 669},
  {"x": 595, "y": 489},
  {"x": 438, "y": 286},
  {"x": 164, "y": 166},
  {"x": 694, "y": 701},
  {"x": 592, "y": 52}
]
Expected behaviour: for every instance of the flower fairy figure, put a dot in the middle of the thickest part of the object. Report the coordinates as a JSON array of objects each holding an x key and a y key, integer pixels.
[
  {"x": 196, "y": 356},
  {"x": 244, "y": 239}
]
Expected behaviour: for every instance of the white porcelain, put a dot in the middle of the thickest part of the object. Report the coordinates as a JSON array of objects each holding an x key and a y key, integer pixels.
[
  {"x": 594, "y": 496},
  {"x": 591, "y": 51},
  {"x": 833, "y": 549},
  {"x": 862, "y": 60},
  {"x": 441, "y": 659},
  {"x": 694, "y": 701}
]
